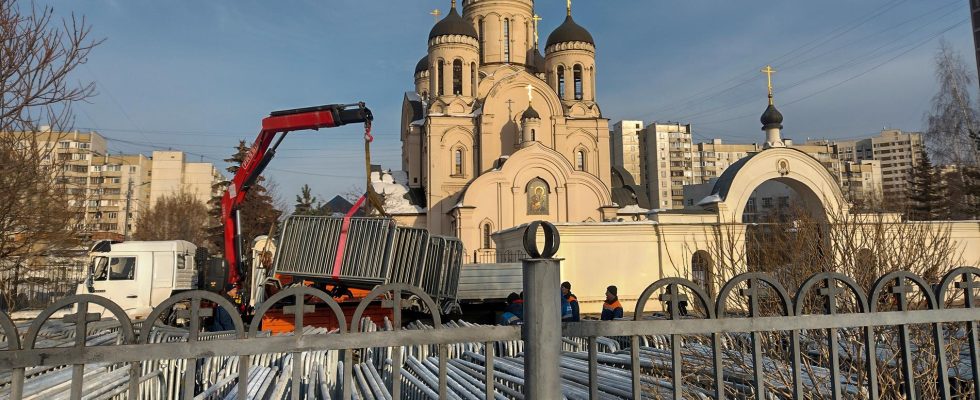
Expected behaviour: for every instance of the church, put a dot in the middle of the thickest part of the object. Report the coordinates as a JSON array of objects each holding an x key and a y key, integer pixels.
[{"x": 497, "y": 134}]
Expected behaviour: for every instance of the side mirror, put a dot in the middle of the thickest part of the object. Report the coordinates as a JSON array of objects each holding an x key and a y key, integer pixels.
[{"x": 89, "y": 284}]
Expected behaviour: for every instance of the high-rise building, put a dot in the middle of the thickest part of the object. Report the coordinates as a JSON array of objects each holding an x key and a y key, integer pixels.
[
  {"x": 172, "y": 173},
  {"x": 670, "y": 160},
  {"x": 626, "y": 152},
  {"x": 666, "y": 163},
  {"x": 115, "y": 188},
  {"x": 897, "y": 151}
]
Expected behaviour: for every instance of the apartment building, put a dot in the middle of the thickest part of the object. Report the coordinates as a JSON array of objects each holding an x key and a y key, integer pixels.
[
  {"x": 671, "y": 160},
  {"x": 172, "y": 173},
  {"x": 625, "y": 149},
  {"x": 113, "y": 189},
  {"x": 666, "y": 163},
  {"x": 897, "y": 152}
]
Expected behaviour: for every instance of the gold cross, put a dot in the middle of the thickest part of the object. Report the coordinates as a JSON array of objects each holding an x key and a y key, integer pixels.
[
  {"x": 769, "y": 71},
  {"x": 536, "y": 19},
  {"x": 568, "y": 7},
  {"x": 435, "y": 14}
]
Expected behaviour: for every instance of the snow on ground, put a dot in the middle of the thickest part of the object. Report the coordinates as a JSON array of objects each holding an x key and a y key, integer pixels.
[{"x": 393, "y": 185}]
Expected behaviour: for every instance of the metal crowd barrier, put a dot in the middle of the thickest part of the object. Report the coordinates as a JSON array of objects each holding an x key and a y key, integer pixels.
[{"x": 376, "y": 251}]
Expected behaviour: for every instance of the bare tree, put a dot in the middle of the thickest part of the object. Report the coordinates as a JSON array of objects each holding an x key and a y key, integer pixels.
[
  {"x": 39, "y": 206},
  {"x": 953, "y": 116},
  {"x": 796, "y": 245},
  {"x": 180, "y": 216}
]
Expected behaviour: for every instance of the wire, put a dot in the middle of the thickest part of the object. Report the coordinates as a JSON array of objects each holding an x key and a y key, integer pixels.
[
  {"x": 916, "y": 46},
  {"x": 752, "y": 75}
]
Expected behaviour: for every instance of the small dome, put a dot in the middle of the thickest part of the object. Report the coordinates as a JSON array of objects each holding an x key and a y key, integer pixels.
[
  {"x": 423, "y": 65},
  {"x": 453, "y": 24},
  {"x": 772, "y": 118},
  {"x": 530, "y": 113},
  {"x": 569, "y": 31}
]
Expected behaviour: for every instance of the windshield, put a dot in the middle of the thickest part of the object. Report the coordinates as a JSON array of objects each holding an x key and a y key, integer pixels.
[{"x": 98, "y": 268}]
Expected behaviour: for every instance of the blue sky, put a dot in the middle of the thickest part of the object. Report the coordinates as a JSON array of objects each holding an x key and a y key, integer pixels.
[{"x": 199, "y": 75}]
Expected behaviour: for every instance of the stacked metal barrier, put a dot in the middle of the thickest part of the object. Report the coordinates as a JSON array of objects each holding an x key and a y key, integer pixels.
[{"x": 376, "y": 251}]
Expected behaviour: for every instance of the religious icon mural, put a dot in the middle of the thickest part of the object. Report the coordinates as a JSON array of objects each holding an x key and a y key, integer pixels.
[{"x": 537, "y": 197}]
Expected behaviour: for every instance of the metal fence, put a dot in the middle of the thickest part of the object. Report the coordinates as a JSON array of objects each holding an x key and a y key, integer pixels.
[
  {"x": 38, "y": 286},
  {"x": 493, "y": 256},
  {"x": 754, "y": 339}
]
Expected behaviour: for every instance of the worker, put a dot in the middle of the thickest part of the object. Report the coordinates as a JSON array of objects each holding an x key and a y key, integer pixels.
[
  {"x": 572, "y": 314},
  {"x": 222, "y": 319},
  {"x": 514, "y": 312},
  {"x": 611, "y": 309}
]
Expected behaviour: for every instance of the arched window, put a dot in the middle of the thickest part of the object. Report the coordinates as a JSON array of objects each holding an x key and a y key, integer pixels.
[
  {"x": 577, "y": 71},
  {"x": 486, "y": 236},
  {"x": 458, "y": 162},
  {"x": 441, "y": 83},
  {"x": 534, "y": 136},
  {"x": 561, "y": 82},
  {"x": 473, "y": 75},
  {"x": 458, "y": 77},
  {"x": 701, "y": 269},
  {"x": 506, "y": 40},
  {"x": 483, "y": 43},
  {"x": 580, "y": 160}
]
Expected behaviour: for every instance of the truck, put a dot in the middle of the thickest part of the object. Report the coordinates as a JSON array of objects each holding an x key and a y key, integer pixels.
[{"x": 138, "y": 276}]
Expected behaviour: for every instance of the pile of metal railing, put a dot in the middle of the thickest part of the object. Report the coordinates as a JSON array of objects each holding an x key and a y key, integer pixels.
[
  {"x": 375, "y": 251},
  {"x": 270, "y": 374}
]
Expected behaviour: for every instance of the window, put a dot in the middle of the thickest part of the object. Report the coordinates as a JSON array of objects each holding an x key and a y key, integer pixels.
[
  {"x": 580, "y": 160},
  {"x": 458, "y": 162},
  {"x": 473, "y": 75},
  {"x": 506, "y": 40},
  {"x": 561, "y": 82},
  {"x": 441, "y": 82},
  {"x": 122, "y": 268},
  {"x": 132, "y": 169},
  {"x": 483, "y": 43},
  {"x": 767, "y": 202},
  {"x": 534, "y": 135},
  {"x": 701, "y": 270},
  {"x": 486, "y": 236},
  {"x": 84, "y": 145},
  {"x": 64, "y": 144},
  {"x": 577, "y": 75},
  {"x": 112, "y": 215},
  {"x": 458, "y": 77}
]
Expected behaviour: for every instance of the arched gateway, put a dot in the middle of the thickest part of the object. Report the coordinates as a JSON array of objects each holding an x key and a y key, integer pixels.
[{"x": 819, "y": 192}]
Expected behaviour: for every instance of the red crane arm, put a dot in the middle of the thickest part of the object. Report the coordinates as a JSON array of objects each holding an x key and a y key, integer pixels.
[{"x": 278, "y": 123}]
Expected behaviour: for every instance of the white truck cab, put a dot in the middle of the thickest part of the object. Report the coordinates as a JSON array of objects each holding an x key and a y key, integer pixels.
[{"x": 140, "y": 275}]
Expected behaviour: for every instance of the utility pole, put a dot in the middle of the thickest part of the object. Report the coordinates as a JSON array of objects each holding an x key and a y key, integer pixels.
[{"x": 129, "y": 200}]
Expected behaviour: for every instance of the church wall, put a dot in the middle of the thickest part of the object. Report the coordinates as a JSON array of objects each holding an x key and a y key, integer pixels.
[
  {"x": 593, "y": 136},
  {"x": 493, "y": 13},
  {"x": 500, "y": 127},
  {"x": 444, "y": 184},
  {"x": 632, "y": 255}
]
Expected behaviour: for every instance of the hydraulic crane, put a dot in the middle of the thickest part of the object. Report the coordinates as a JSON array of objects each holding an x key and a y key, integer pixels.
[{"x": 275, "y": 127}]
